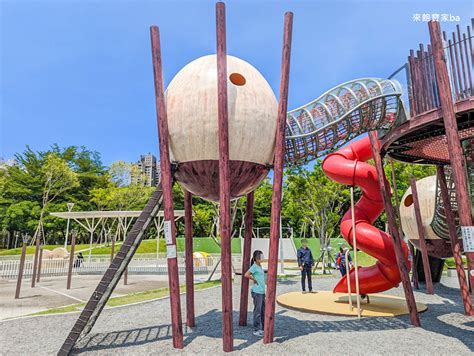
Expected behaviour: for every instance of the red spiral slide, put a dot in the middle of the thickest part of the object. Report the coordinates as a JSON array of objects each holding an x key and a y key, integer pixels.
[{"x": 348, "y": 166}]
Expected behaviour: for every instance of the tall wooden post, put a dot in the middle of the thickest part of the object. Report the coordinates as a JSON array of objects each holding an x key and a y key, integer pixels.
[
  {"x": 188, "y": 235},
  {"x": 20, "y": 270},
  {"x": 278, "y": 181},
  {"x": 71, "y": 260},
  {"x": 224, "y": 179},
  {"x": 40, "y": 262},
  {"x": 112, "y": 249},
  {"x": 244, "y": 283},
  {"x": 35, "y": 261},
  {"x": 456, "y": 156},
  {"x": 392, "y": 223},
  {"x": 166, "y": 181},
  {"x": 455, "y": 245},
  {"x": 421, "y": 236}
]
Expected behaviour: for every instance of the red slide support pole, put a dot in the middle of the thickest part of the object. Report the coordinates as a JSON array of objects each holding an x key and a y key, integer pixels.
[
  {"x": 392, "y": 223},
  {"x": 455, "y": 245},
  {"x": 278, "y": 182},
  {"x": 421, "y": 236},
  {"x": 166, "y": 181},
  {"x": 244, "y": 284},
  {"x": 188, "y": 235},
  {"x": 224, "y": 179},
  {"x": 456, "y": 156}
]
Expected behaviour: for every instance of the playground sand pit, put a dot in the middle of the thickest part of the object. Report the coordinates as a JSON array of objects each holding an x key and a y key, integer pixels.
[
  {"x": 326, "y": 302},
  {"x": 144, "y": 329}
]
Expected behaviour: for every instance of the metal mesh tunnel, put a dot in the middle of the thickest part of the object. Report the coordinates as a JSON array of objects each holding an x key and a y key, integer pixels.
[{"x": 339, "y": 115}]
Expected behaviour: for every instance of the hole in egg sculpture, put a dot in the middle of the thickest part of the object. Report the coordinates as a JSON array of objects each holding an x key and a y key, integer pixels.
[
  {"x": 408, "y": 200},
  {"x": 237, "y": 79}
]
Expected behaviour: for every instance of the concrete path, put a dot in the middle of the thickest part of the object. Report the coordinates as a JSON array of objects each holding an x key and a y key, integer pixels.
[{"x": 145, "y": 329}]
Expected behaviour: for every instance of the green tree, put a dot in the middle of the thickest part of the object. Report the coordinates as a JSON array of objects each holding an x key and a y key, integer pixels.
[{"x": 314, "y": 199}]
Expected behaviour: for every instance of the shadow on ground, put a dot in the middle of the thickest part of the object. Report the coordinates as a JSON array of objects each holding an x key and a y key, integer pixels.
[{"x": 445, "y": 319}]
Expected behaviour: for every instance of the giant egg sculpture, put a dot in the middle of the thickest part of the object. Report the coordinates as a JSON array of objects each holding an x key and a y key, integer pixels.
[{"x": 191, "y": 100}]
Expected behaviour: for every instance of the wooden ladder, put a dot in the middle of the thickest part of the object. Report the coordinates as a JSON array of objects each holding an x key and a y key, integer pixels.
[{"x": 117, "y": 267}]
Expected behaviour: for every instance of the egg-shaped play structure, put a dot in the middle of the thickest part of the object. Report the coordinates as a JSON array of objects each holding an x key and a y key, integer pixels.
[{"x": 191, "y": 100}]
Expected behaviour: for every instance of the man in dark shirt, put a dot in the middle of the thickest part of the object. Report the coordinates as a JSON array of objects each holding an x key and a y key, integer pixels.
[{"x": 305, "y": 263}]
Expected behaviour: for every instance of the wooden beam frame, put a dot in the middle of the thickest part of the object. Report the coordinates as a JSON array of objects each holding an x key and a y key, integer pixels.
[
  {"x": 188, "y": 258},
  {"x": 244, "y": 283},
  {"x": 456, "y": 156},
  {"x": 455, "y": 245},
  {"x": 278, "y": 182},
  {"x": 392, "y": 223},
  {"x": 224, "y": 179},
  {"x": 166, "y": 181}
]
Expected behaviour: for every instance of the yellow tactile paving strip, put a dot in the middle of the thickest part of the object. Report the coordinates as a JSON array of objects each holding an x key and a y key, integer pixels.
[{"x": 326, "y": 302}]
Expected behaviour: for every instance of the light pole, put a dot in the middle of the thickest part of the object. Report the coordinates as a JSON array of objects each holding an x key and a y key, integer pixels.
[{"x": 69, "y": 208}]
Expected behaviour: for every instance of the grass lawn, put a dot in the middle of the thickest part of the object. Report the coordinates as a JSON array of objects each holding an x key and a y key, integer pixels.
[
  {"x": 129, "y": 298},
  {"x": 205, "y": 244}
]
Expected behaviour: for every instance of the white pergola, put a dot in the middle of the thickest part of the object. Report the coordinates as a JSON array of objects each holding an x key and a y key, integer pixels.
[{"x": 91, "y": 220}]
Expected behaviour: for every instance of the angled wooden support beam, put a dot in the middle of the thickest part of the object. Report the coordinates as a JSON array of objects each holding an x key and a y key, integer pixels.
[
  {"x": 188, "y": 236},
  {"x": 421, "y": 236},
  {"x": 166, "y": 181},
  {"x": 224, "y": 179},
  {"x": 35, "y": 261},
  {"x": 458, "y": 163},
  {"x": 394, "y": 231},
  {"x": 20, "y": 270},
  {"x": 71, "y": 260},
  {"x": 278, "y": 182},
  {"x": 244, "y": 284},
  {"x": 455, "y": 245}
]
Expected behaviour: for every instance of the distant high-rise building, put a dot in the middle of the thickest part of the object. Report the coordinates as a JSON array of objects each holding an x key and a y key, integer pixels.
[{"x": 148, "y": 171}]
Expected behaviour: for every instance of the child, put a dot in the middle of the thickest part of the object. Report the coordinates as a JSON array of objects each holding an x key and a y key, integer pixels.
[
  {"x": 256, "y": 274},
  {"x": 341, "y": 260},
  {"x": 305, "y": 263}
]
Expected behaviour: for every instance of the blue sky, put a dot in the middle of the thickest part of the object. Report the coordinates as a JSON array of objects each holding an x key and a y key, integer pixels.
[{"x": 79, "y": 72}]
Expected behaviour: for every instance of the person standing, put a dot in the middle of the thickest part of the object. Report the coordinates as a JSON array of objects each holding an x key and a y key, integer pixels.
[
  {"x": 257, "y": 275},
  {"x": 305, "y": 264},
  {"x": 341, "y": 260}
]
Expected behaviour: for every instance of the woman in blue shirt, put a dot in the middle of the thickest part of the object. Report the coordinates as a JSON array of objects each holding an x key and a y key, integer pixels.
[{"x": 256, "y": 274}]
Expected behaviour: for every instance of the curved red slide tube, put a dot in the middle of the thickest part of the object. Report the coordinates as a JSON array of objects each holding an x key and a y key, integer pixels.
[{"x": 348, "y": 166}]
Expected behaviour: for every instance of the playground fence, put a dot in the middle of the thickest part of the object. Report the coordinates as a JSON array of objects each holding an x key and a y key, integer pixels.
[{"x": 140, "y": 264}]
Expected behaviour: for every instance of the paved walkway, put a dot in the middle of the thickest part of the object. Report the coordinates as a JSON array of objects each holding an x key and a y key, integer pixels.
[
  {"x": 52, "y": 293},
  {"x": 145, "y": 329}
]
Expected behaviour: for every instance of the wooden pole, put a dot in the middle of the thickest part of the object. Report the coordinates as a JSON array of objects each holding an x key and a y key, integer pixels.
[
  {"x": 166, "y": 181},
  {"x": 244, "y": 283},
  {"x": 20, "y": 270},
  {"x": 71, "y": 260},
  {"x": 455, "y": 245},
  {"x": 224, "y": 179},
  {"x": 188, "y": 234},
  {"x": 278, "y": 181},
  {"x": 392, "y": 223},
  {"x": 40, "y": 262},
  {"x": 112, "y": 250},
  {"x": 35, "y": 262},
  {"x": 456, "y": 156},
  {"x": 421, "y": 236}
]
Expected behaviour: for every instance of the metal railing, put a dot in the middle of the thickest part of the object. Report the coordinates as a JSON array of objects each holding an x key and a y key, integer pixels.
[{"x": 98, "y": 265}]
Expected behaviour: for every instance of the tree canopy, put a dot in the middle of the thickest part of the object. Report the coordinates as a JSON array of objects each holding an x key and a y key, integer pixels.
[{"x": 45, "y": 181}]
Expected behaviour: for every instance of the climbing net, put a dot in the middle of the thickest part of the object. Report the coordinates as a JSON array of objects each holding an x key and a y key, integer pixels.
[{"x": 339, "y": 115}]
